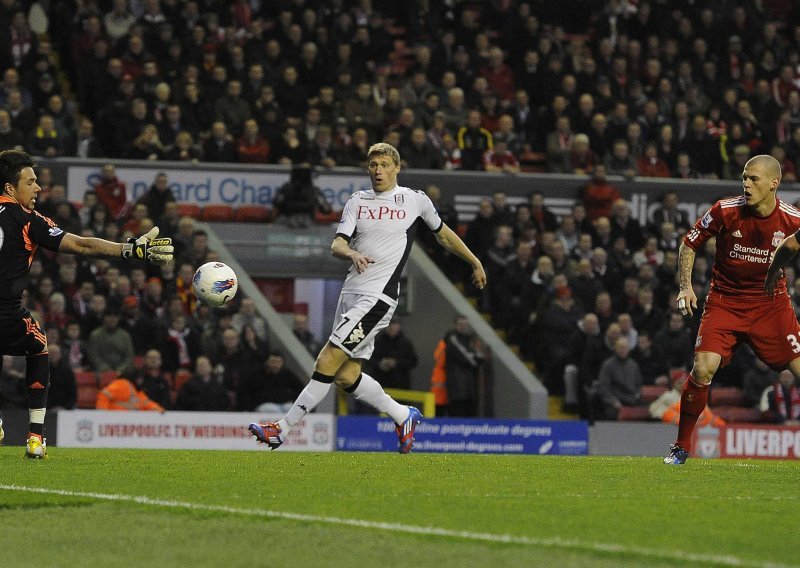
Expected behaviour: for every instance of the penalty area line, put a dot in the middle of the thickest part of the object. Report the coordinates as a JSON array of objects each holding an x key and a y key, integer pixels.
[{"x": 556, "y": 542}]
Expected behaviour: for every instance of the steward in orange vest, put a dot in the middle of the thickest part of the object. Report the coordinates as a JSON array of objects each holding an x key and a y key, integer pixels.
[
  {"x": 439, "y": 376},
  {"x": 122, "y": 394}
]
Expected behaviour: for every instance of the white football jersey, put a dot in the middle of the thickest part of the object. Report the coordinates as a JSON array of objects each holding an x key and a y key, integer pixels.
[{"x": 382, "y": 226}]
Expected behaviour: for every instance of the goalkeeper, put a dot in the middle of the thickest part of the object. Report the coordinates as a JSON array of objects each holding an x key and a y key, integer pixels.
[{"x": 22, "y": 232}]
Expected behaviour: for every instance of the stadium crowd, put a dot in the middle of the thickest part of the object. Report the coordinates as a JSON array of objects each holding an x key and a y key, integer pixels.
[
  {"x": 678, "y": 89},
  {"x": 623, "y": 87}
]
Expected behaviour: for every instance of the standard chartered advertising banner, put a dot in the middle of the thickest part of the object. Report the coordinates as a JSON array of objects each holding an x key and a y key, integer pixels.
[
  {"x": 473, "y": 436},
  {"x": 184, "y": 430},
  {"x": 205, "y": 187}
]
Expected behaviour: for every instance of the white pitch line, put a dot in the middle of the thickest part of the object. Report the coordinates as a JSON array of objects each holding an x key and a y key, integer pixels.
[{"x": 556, "y": 542}]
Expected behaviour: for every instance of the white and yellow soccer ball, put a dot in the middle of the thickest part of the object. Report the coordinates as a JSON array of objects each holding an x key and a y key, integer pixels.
[{"x": 215, "y": 284}]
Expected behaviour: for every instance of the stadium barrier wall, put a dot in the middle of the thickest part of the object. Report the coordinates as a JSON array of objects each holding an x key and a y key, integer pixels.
[
  {"x": 225, "y": 430},
  {"x": 466, "y": 435},
  {"x": 631, "y": 438},
  {"x": 177, "y": 430}
]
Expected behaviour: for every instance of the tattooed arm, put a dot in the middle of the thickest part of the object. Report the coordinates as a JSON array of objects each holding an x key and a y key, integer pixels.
[{"x": 687, "y": 300}]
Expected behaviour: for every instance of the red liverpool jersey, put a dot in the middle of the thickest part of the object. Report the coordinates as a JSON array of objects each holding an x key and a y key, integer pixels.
[{"x": 745, "y": 244}]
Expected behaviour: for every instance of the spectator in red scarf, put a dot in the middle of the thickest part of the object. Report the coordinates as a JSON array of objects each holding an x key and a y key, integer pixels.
[
  {"x": 780, "y": 403},
  {"x": 252, "y": 147},
  {"x": 499, "y": 75},
  {"x": 599, "y": 195},
  {"x": 650, "y": 165},
  {"x": 581, "y": 157},
  {"x": 111, "y": 192},
  {"x": 500, "y": 158}
]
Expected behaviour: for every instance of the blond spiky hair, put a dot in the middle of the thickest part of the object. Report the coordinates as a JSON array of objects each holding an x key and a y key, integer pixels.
[{"x": 384, "y": 149}]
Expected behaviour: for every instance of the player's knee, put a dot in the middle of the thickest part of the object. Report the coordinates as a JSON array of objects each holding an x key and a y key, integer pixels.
[
  {"x": 702, "y": 373},
  {"x": 325, "y": 365},
  {"x": 344, "y": 380},
  {"x": 330, "y": 359}
]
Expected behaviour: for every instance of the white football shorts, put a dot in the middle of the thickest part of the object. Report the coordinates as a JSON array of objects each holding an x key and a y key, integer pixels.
[{"x": 358, "y": 321}]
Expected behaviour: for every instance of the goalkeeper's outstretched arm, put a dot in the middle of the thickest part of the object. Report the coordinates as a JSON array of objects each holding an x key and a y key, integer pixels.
[{"x": 147, "y": 247}]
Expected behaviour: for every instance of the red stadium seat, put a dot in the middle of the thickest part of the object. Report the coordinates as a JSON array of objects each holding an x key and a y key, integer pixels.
[
  {"x": 87, "y": 396},
  {"x": 106, "y": 377},
  {"x": 678, "y": 374},
  {"x": 327, "y": 218},
  {"x": 631, "y": 413},
  {"x": 726, "y": 396},
  {"x": 652, "y": 392},
  {"x": 737, "y": 414},
  {"x": 85, "y": 378},
  {"x": 218, "y": 212},
  {"x": 253, "y": 214},
  {"x": 181, "y": 376},
  {"x": 189, "y": 210}
]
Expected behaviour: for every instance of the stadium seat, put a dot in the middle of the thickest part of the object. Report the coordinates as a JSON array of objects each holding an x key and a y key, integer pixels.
[
  {"x": 181, "y": 376},
  {"x": 327, "y": 218},
  {"x": 726, "y": 396},
  {"x": 85, "y": 378},
  {"x": 631, "y": 413},
  {"x": 737, "y": 414},
  {"x": 253, "y": 214},
  {"x": 189, "y": 210},
  {"x": 678, "y": 374},
  {"x": 217, "y": 212},
  {"x": 87, "y": 396},
  {"x": 652, "y": 392},
  {"x": 106, "y": 377}
]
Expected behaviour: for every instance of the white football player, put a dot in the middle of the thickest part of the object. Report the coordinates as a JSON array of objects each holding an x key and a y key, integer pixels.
[{"x": 375, "y": 235}]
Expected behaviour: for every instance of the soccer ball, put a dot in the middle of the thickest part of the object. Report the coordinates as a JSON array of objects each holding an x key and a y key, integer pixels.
[{"x": 214, "y": 284}]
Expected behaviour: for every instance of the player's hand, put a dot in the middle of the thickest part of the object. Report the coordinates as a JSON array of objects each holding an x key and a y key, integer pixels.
[
  {"x": 479, "y": 277},
  {"x": 361, "y": 262},
  {"x": 149, "y": 248},
  {"x": 771, "y": 281},
  {"x": 686, "y": 302}
]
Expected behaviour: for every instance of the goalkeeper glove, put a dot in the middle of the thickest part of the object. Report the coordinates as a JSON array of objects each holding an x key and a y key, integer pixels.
[{"x": 149, "y": 248}]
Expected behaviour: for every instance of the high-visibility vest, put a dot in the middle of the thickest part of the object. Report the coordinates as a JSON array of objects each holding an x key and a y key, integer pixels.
[
  {"x": 121, "y": 394},
  {"x": 673, "y": 414},
  {"x": 439, "y": 374}
]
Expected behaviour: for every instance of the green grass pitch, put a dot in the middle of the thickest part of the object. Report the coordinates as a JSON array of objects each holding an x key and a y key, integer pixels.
[{"x": 106, "y": 508}]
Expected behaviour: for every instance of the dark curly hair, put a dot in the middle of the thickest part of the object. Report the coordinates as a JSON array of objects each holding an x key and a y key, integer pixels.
[{"x": 12, "y": 162}]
